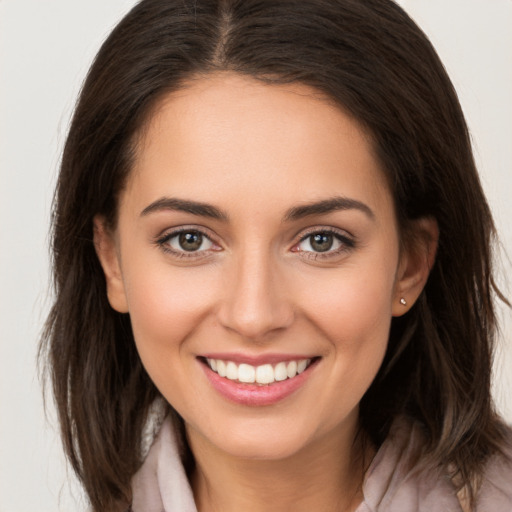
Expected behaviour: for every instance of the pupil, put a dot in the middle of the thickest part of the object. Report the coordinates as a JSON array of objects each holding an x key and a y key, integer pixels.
[
  {"x": 190, "y": 241},
  {"x": 321, "y": 242}
]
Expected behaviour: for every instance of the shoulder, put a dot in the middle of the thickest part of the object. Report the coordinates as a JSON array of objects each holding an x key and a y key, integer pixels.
[
  {"x": 397, "y": 481},
  {"x": 496, "y": 488}
]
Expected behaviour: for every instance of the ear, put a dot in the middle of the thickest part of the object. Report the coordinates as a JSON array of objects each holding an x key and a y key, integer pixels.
[
  {"x": 108, "y": 254},
  {"x": 416, "y": 261}
]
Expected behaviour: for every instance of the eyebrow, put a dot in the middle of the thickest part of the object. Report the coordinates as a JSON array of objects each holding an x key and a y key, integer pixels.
[
  {"x": 182, "y": 205},
  {"x": 298, "y": 212},
  {"x": 328, "y": 206}
]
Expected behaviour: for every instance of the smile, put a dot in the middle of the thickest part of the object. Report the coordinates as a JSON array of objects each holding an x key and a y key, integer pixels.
[
  {"x": 264, "y": 374},
  {"x": 267, "y": 381}
]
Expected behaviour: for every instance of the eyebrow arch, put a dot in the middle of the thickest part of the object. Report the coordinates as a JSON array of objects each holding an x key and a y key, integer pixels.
[
  {"x": 295, "y": 213},
  {"x": 327, "y": 206},
  {"x": 183, "y": 205}
]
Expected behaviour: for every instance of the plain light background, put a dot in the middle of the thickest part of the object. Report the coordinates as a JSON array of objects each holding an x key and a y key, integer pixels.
[{"x": 45, "y": 49}]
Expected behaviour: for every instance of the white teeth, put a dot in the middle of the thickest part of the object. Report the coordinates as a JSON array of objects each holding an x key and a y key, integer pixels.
[
  {"x": 263, "y": 374},
  {"x": 280, "y": 372},
  {"x": 291, "y": 369},
  {"x": 301, "y": 366},
  {"x": 246, "y": 373},
  {"x": 221, "y": 368},
  {"x": 231, "y": 371}
]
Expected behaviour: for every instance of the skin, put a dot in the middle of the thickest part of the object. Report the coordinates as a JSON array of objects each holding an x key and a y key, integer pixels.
[{"x": 257, "y": 286}]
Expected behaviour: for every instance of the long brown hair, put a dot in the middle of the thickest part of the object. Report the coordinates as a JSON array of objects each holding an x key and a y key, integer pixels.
[{"x": 370, "y": 58}]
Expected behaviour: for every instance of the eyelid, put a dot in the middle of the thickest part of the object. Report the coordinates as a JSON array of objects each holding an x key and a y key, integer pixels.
[
  {"x": 341, "y": 233},
  {"x": 176, "y": 230},
  {"x": 167, "y": 234},
  {"x": 347, "y": 240}
]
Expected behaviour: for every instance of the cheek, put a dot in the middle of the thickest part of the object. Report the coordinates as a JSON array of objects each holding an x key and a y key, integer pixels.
[
  {"x": 353, "y": 312},
  {"x": 353, "y": 306},
  {"x": 356, "y": 321},
  {"x": 166, "y": 306}
]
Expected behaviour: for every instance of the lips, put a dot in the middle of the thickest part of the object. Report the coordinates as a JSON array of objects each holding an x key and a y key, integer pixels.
[{"x": 257, "y": 381}]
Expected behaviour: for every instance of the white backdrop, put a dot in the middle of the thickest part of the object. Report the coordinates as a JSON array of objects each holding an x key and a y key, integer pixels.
[{"x": 45, "y": 49}]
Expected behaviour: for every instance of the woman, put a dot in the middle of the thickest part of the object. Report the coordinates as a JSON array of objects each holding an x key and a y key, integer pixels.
[{"x": 269, "y": 229}]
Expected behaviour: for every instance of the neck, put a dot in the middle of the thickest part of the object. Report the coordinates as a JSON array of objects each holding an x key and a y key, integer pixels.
[{"x": 326, "y": 475}]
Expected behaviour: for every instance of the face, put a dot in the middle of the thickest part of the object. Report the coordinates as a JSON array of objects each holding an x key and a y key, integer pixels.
[{"x": 257, "y": 253}]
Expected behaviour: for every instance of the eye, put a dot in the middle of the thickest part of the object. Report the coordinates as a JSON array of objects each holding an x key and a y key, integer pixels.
[
  {"x": 325, "y": 241},
  {"x": 318, "y": 242},
  {"x": 186, "y": 241}
]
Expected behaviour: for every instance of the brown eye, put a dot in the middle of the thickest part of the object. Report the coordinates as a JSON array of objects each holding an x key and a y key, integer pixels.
[
  {"x": 190, "y": 241},
  {"x": 324, "y": 242},
  {"x": 321, "y": 242}
]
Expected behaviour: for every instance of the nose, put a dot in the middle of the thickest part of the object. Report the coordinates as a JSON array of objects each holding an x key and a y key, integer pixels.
[{"x": 255, "y": 301}]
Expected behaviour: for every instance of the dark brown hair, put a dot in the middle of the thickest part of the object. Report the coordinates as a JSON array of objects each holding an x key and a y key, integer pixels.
[{"x": 372, "y": 60}]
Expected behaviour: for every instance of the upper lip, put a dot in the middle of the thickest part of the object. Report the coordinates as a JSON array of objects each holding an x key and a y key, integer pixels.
[{"x": 256, "y": 360}]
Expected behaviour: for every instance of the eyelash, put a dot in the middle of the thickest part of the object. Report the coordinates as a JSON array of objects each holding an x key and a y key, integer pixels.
[
  {"x": 347, "y": 243},
  {"x": 163, "y": 242}
]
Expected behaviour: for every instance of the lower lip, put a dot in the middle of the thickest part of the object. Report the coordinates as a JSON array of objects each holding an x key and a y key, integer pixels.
[{"x": 252, "y": 394}]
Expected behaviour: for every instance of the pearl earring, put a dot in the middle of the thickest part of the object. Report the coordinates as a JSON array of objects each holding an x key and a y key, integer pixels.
[{"x": 403, "y": 302}]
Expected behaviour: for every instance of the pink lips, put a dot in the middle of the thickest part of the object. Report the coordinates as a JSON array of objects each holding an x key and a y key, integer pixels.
[{"x": 253, "y": 394}]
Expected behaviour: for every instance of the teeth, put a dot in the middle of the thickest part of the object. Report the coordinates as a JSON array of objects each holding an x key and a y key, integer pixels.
[
  {"x": 246, "y": 373},
  {"x": 232, "y": 371},
  {"x": 263, "y": 374},
  {"x": 291, "y": 369},
  {"x": 301, "y": 366},
  {"x": 280, "y": 372},
  {"x": 221, "y": 368}
]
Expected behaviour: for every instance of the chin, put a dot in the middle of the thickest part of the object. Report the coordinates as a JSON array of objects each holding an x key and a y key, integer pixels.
[
  {"x": 265, "y": 448},
  {"x": 258, "y": 439}
]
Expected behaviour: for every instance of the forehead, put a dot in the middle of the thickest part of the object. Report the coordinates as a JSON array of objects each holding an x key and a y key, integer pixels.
[{"x": 225, "y": 135}]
